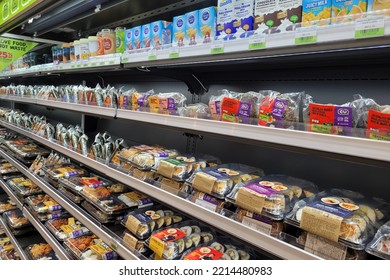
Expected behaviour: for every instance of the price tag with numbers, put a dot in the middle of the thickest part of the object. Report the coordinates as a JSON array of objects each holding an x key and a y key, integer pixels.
[
  {"x": 174, "y": 52},
  {"x": 217, "y": 48},
  {"x": 152, "y": 54},
  {"x": 257, "y": 42},
  {"x": 369, "y": 27},
  {"x": 306, "y": 35}
]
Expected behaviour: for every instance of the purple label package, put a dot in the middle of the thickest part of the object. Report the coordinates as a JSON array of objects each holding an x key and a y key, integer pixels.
[{"x": 161, "y": 33}]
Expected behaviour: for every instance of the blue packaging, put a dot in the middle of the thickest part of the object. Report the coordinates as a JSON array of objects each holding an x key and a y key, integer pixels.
[
  {"x": 207, "y": 24},
  {"x": 243, "y": 19},
  {"x": 146, "y": 36},
  {"x": 225, "y": 18},
  {"x": 136, "y": 37},
  {"x": 192, "y": 29},
  {"x": 129, "y": 39},
  {"x": 161, "y": 33},
  {"x": 178, "y": 31}
]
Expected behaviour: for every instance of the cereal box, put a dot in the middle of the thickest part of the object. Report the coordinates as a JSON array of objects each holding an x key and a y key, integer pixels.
[
  {"x": 192, "y": 34},
  {"x": 161, "y": 33},
  {"x": 277, "y": 13},
  {"x": 178, "y": 31},
  {"x": 347, "y": 10},
  {"x": 316, "y": 12},
  {"x": 146, "y": 36},
  {"x": 129, "y": 39},
  {"x": 225, "y": 18},
  {"x": 207, "y": 24},
  {"x": 243, "y": 15},
  {"x": 136, "y": 37},
  {"x": 375, "y": 5}
]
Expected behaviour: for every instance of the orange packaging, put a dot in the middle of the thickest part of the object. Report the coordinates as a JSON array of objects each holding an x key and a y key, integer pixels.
[
  {"x": 204, "y": 253},
  {"x": 378, "y": 125},
  {"x": 100, "y": 42},
  {"x": 109, "y": 41}
]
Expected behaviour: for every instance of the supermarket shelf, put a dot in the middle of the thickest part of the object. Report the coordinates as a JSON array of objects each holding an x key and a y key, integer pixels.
[
  {"x": 262, "y": 241},
  {"x": 13, "y": 240},
  {"x": 11, "y": 194},
  {"x": 78, "y": 213},
  {"x": 49, "y": 238}
]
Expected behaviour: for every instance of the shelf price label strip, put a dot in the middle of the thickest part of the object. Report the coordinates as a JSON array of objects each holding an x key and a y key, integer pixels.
[
  {"x": 306, "y": 35},
  {"x": 369, "y": 27}
]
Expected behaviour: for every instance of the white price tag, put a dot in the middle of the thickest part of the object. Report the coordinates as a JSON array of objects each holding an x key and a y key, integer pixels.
[
  {"x": 257, "y": 225},
  {"x": 369, "y": 27},
  {"x": 257, "y": 42},
  {"x": 206, "y": 204},
  {"x": 174, "y": 52},
  {"x": 217, "y": 48},
  {"x": 152, "y": 54},
  {"x": 306, "y": 35}
]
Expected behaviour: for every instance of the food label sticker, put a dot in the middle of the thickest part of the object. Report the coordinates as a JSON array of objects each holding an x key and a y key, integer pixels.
[
  {"x": 324, "y": 248},
  {"x": 133, "y": 222},
  {"x": 250, "y": 200},
  {"x": 217, "y": 48},
  {"x": 257, "y": 225},
  {"x": 204, "y": 253},
  {"x": 167, "y": 167},
  {"x": 206, "y": 204},
  {"x": 130, "y": 241},
  {"x": 230, "y": 109},
  {"x": 378, "y": 125},
  {"x": 329, "y": 118},
  {"x": 257, "y": 42},
  {"x": 271, "y": 111},
  {"x": 306, "y": 35},
  {"x": 170, "y": 185},
  {"x": 158, "y": 240},
  {"x": 167, "y": 103},
  {"x": 204, "y": 182},
  {"x": 104, "y": 251},
  {"x": 369, "y": 27},
  {"x": 215, "y": 107},
  {"x": 153, "y": 102}
]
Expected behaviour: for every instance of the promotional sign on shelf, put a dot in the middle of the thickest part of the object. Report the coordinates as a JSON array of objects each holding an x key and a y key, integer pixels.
[
  {"x": 11, "y": 50},
  {"x": 12, "y": 8}
]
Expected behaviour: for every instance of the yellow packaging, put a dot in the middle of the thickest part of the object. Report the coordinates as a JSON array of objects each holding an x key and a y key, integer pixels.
[{"x": 348, "y": 10}]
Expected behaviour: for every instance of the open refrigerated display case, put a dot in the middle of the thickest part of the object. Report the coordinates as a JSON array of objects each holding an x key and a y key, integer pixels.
[{"x": 332, "y": 69}]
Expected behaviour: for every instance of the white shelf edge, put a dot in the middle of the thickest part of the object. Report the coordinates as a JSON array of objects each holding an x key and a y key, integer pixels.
[
  {"x": 13, "y": 240},
  {"x": 79, "y": 214},
  {"x": 258, "y": 239},
  {"x": 11, "y": 194}
]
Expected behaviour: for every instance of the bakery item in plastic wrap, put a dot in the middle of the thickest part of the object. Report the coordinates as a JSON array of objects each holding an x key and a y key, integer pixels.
[{"x": 197, "y": 110}]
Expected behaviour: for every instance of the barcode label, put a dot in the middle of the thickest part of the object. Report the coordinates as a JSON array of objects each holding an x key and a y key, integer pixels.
[
  {"x": 369, "y": 27},
  {"x": 256, "y": 43},
  {"x": 306, "y": 35}
]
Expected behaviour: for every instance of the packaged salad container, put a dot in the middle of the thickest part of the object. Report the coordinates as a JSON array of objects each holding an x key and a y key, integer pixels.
[
  {"x": 272, "y": 195},
  {"x": 42, "y": 203},
  {"x": 219, "y": 180},
  {"x": 16, "y": 219},
  {"x": 339, "y": 215},
  {"x": 380, "y": 245},
  {"x": 64, "y": 228},
  {"x": 41, "y": 251},
  {"x": 23, "y": 186},
  {"x": 143, "y": 222}
]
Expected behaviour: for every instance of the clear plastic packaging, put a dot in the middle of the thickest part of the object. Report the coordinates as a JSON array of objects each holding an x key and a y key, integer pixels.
[
  {"x": 64, "y": 228},
  {"x": 143, "y": 222},
  {"x": 135, "y": 199},
  {"x": 215, "y": 103},
  {"x": 171, "y": 101},
  {"x": 90, "y": 247},
  {"x": 198, "y": 110},
  {"x": 207, "y": 201},
  {"x": 43, "y": 217},
  {"x": 133, "y": 243},
  {"x": 380, "y": 245},
  {"x": 99, "y": 215},
  {"x": 259, "y": 222},
  {"x": 72, "y": 195},
  {"x": 41, "y": 251},
  {"x": 219, "y": 180},
  {"x": 221, "y": 248},
  {"x": 143, "y": 175},
  {"x": 64, "y": 171},
  {"x": 170, "y": 243},
  {"x": 360, "y": 107},
  {"x": 25, "y": 148},
  {"x": 23, "y": 186},
  {"x": 6, "y": 205},
  {"x": 272, "y": 195},
  {"x": 16, "y": 219},
  {"x": 8, "y": 255},
  {"x": 7, "y": 168},
  {"x": 79, "y": 183},
  {"x": 42, "y": 203},
  {"x": 339, "y": 215}
]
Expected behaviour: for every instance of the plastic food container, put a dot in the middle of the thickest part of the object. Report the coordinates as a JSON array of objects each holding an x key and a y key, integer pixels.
[
  {"x": 170, "y": 243},
  {"x": 207, "y": 201},
  {"x": 42, "y": 203},
  {"x": 220, "y": 248},
  {"x": 259, "y": 222},
  {"x": 78, "y": 183},
  {"x": 84, "y": 49},
  {"x": 339, "y": 215},
  {"x": 143, "y": 222},
  {"x": 41, "y": 251},
  {"x": 133, "y": 243},
  {"x": 8, "y": 255},
  {"x": 43, "y": 217},
  {"x": 220, "y": 180},
  {"x": 380, "y": 245},
  {"x": 64, "y": 171},
  {"x": 16, "y": 219},
  {"x": 64, "y": 228},
  {"x": 23, "y": 186},
  {"x": 6, "y": 205},
  {"x": 7, "y": 168},
  {"x": 272, "y": 195},
  {"x": 25, "y": 148},
  {"x": 72, "y": 195},
  {"x": 135, "y": 199},
  {"x": 93, "y": 45},
  {"x": 101, "y": 216},
  {"x": 90, "y": 247}
]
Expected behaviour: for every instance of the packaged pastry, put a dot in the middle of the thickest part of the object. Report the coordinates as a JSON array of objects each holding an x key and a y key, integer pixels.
[
  {"x": 220, "y": 248},
  {"x": 23, "y": 186},
  {"x": 135, "y": 199},
  {"x": 141, "y": 100},
  {"x": 259, "y": 222},
  {"x": 4, "y": 242},
  {"x": 197, "y": 110},
  {"x": 64, "y": 228},
  {"x": 16, "y": 219},
  {"x": 72, "y": 195},
  {"x": 43, "y": 203},
  {"x": 380, "y": 245},
  {"x": 339, "y": 215},
  {"x": 143, "y": 222},
  {"x": 7, "y": 168},
  {"x": 90, "y": 247},
  {"x": 170, "y": 101},
  {"x": 215, "y": 103},
  {"x": 41, "y": 251},
  {"x": 360, "y": 108},
  {"x": 272, "y": 195},
  {"x": 6, "y": 204},
  {"x": 219, "y": 180},
  {"x": 181, "y": 167},
  {"x": 170, "y": 242}
]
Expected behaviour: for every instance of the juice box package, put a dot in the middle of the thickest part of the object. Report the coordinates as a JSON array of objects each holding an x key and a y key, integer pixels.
[
  {"x": 225, "y": 18},
  {"x": 136, "y": 37},
  {"x": 161, "y": 33},
  {"x": 178, "y": 31},
  {"x": 192, "y": 34},
  {"x": 376, "y": 5},
  {"x": 207, "y": 24},
  {"x": 347, "y": 10},
  {"x": 129, "y": 39},
  {"x": 146, "y": 36},
  {"x": 277, "y": 13},
  {"x": 243, "y": 15},
  {"x": 316, "y": 12}
]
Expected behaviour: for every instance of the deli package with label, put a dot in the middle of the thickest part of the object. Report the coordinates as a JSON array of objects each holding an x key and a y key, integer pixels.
[{"x": 340, "y": 215}]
